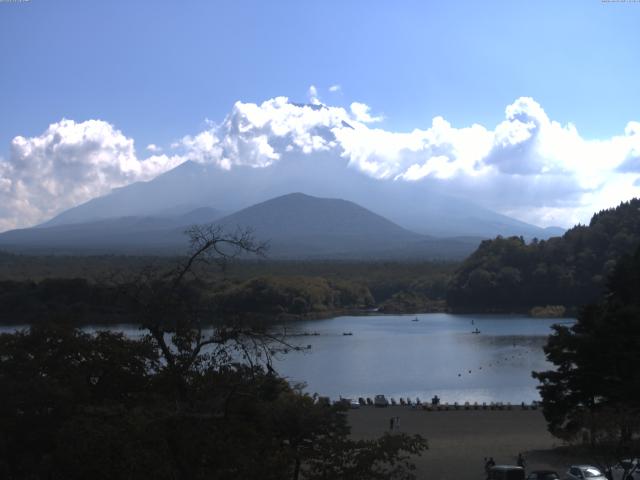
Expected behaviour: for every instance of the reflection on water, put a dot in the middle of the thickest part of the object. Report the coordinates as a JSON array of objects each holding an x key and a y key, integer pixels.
[
  {"x": 397, "y": 356},
  {"x": 438, "y": 354}
]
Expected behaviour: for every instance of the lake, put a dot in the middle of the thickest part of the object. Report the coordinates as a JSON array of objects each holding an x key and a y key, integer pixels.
[
  {"x": 438, "y": 354},
  {"x": 399, "y": 357}
]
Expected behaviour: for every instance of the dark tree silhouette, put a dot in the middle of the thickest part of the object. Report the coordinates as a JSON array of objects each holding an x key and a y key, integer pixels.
[{"x": 593, "y": 392}]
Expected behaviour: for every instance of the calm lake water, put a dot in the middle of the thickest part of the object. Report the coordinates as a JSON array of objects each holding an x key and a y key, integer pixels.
[
  {"x": 438, "y": 354},
  {"x": 396, "y": 356}
]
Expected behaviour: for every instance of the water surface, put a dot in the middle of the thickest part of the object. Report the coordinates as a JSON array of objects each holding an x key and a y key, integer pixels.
[
  {"x": 438, "y": 354},
  {"x": 399, "y": 357}
]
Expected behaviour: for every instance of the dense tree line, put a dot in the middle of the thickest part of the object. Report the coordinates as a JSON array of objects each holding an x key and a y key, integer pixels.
[
  {"x": 98, "y": 294},
  {"x": 511, "y": 274},
  {"x": 75, "y": 300},
  {"x": 83, "y": 302},
  {"x": 293, "y": 295},
  {"x": 592, "y": 393}
]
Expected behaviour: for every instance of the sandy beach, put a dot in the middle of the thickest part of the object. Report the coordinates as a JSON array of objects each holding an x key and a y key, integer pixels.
[{"x": 459, "y": 440}]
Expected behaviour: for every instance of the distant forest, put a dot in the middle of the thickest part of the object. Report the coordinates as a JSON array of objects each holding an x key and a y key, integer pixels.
[
  {"x": 101, "y": 289},
  {"x": 507, "y": 274}
]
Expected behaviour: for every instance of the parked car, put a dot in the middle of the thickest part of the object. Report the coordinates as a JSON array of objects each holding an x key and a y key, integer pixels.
[
  {"x": 380, "y": 401},
  {"x": 543, "y": 475},
  {"x": 506, "y": 472},
  {"x": 584, "y": 472}
]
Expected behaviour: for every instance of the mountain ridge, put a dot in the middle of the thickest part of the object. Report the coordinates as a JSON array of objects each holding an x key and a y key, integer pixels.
[
  {"x": 296, "y": 225},
  {"x": 408, "y": 204}
]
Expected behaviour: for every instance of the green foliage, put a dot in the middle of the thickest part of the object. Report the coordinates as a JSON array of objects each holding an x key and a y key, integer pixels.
[
  {"x": 595, "y": 384},
  {"x": 70, "y": 299},
  {"x": 265, "y": 288},
  {"x": 507, "y": 274},
  {"x": 295, "y": 295}
]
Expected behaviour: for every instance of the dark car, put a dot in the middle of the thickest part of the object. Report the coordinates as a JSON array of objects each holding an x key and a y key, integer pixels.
[
  {"x": 506, "y": 472},
  {"x": 543, "y": 475}
]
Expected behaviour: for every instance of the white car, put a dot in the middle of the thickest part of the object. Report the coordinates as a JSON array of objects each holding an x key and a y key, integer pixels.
[{"x": 584, "y": 472}]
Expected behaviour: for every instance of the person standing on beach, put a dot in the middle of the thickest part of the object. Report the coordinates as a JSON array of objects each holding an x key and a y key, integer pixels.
[
  {"x": 520, "y": 460},
  {"x": 391, "y": 423},
  {"x": 487, "y": 465}
]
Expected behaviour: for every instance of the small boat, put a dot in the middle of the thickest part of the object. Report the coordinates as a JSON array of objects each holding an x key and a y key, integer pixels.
[
  {"x": 347, "y": 333},
  {"x": 476, "y": 331},
  {"x": 415, "y": 319}
]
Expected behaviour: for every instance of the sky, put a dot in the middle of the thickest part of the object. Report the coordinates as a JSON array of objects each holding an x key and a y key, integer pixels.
[{"x": 529, "y": 108}]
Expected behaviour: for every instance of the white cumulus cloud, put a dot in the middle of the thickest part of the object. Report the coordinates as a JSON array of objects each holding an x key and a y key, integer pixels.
[
  {"x": 361, "y": 113},
  {"x": 153, "y": 148},
  {"x": 69, "y": 163},
  {"x": 313, "y": 95},
  {"x": 528, "y": 165}
]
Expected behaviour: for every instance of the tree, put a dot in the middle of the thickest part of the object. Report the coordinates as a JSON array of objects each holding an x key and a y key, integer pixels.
[
  {"x": 593, "y": 391},
  {"x": 507, "y": 274},
  {"x": 195, "y": 397}
]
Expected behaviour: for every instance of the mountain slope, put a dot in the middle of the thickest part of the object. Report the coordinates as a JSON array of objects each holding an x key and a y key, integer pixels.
[
  {"x": 123, "y": 234},
  {"x": 296, "y": 226},
  {"x": 409, "y": 204}
]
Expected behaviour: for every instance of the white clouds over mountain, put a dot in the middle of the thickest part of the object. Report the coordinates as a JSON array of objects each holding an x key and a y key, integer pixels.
[
  {"x": 68, "y": 164},
  {"x": 528, "y": 166}
]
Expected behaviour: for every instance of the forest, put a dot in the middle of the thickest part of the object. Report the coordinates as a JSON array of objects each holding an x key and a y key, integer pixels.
[
  {"x": 97, "y": 289},
  {"x": 509, "y": 274}
]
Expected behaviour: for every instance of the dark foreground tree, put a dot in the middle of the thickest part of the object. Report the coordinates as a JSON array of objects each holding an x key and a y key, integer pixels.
[
  {"x": 195, "y": 397},
  {"x": 594, "y": 392}
]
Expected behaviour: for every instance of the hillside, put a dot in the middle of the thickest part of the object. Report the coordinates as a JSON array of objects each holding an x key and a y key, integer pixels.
[
  {"x": 302, "y": 225},
  {"x": 296, "y": 226},
  {"x": 121, "y": 235},
  {"x": 508, "y": 274},
  {"x": 409, "y": 204}
]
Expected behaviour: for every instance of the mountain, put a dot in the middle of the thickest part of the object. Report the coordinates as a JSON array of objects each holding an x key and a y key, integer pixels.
[
  {"x": 409, "y": 204},
  {"x": 294, "y": 225},
  {"x": 507, "y": 274},
  {"x": 125, "y": 234},
  {"x": 299, "y": 225}
]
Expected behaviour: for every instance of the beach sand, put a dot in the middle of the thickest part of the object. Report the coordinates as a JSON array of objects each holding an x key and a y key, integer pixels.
[{"x": 459, "y": 440}]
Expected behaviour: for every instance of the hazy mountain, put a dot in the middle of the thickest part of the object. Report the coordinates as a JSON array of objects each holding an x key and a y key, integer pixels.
[
  {"x": 409, "y": 204},
  {"x": 124, "y": 234},
  {"x": 294, "y": 225},
  {"x": 301, "y": 225}
]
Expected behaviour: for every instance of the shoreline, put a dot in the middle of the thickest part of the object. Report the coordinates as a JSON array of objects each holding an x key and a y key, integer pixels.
[{"x": 320, "y": 315}]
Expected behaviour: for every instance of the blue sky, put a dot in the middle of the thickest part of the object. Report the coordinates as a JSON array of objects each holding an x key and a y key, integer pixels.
[{"x": 156, "y": 70}]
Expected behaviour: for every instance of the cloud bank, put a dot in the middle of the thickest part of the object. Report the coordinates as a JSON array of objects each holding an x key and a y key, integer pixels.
[{"x": 527, "y": 166}]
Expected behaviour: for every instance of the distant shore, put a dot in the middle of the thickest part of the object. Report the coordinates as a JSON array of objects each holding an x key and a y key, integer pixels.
[{"x": 460, "y": 440}]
